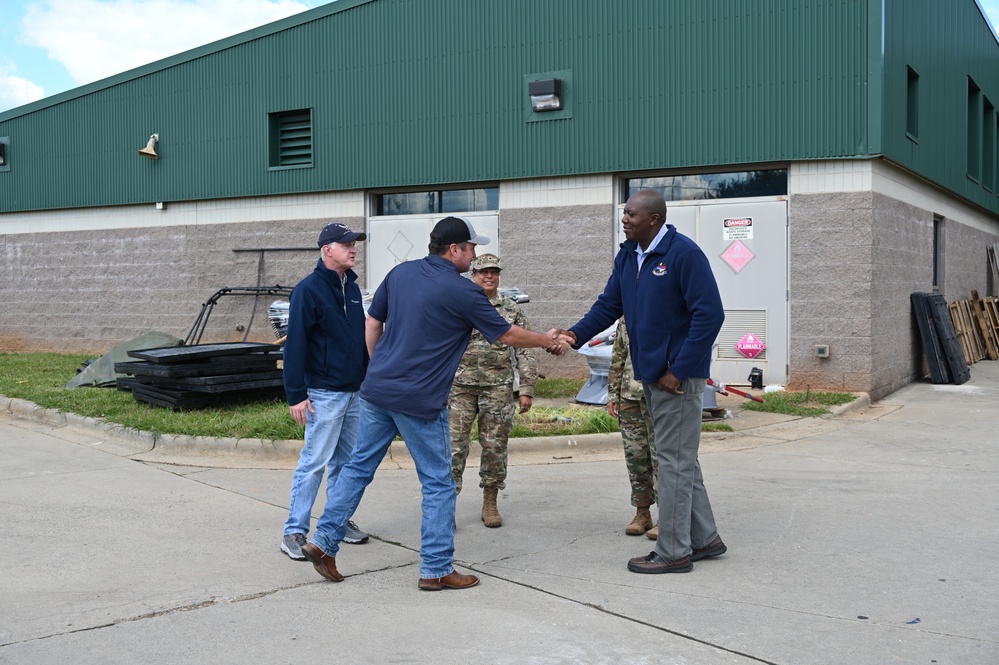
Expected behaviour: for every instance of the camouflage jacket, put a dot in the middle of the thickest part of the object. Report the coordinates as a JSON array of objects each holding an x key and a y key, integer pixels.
[
  {"x": 485, "y": 364},
  {"x": 621, "y": 382}
]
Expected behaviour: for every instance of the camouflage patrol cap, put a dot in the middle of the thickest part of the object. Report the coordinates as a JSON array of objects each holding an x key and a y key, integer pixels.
[{"x": 486, "y": 261}]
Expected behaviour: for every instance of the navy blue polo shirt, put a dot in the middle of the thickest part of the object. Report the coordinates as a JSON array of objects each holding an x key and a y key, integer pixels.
[{"x": 429, "y": 311}]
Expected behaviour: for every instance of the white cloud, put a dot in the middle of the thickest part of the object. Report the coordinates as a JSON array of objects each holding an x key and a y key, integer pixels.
[
  {"x": 991, "y": 10},
  {"x": 94, "y": 39},
  {"x": 16, "y": 90}
]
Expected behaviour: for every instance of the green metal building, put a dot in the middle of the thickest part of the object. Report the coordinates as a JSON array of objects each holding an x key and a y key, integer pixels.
[{"x": 830, "y": 156}]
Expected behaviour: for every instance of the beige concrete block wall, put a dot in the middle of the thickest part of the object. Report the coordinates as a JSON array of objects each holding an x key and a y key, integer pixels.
[
  {"x": 856, "y": 258},
  {"x": 903, "y": 264},
  {"x": 831, "y": 272},
  {"x": 86, "y": 290},
  {"x": 561, "y": 257},
  {"x": 966, "y": 264}
]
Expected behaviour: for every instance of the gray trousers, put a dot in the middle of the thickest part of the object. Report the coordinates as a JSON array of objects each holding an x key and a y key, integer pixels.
[{"x": 685, "y": 517}]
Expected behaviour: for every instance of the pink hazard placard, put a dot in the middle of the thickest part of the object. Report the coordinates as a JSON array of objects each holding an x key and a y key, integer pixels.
[
  {"x": 737, "y": 256},
  {"x": 750, "y": 346}
]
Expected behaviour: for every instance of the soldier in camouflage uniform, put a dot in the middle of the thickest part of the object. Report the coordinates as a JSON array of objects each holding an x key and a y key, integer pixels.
[
  {"x": 626, "y": 401},
  {"x": 483, "y": 388}
]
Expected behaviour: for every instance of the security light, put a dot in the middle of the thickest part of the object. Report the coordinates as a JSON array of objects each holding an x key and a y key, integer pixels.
[{"x": 546, "y": 95}]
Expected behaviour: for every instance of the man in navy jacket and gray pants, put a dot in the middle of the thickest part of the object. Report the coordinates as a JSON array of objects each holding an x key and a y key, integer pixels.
[
  {"x": 663, "y": 286},
  {"x": 325, "y": 359}
]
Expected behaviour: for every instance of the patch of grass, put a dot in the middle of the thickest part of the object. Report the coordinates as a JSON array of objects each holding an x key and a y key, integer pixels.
[
  {"x": 716, "y": 427},
  {"x": 40, "y": 377},
  {"x": 558, "y": 388},
  {"x": 563, "y": 421},
  {"x": 807, "y": 403}
]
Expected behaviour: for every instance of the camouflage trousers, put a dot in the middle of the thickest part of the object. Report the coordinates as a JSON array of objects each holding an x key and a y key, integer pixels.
[
  {"x": 494, "y": 407},
  {"x": 639, "y": 451}
]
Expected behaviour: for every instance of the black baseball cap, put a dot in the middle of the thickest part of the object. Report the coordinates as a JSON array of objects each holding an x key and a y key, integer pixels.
[{"x": 456, "y": 230}]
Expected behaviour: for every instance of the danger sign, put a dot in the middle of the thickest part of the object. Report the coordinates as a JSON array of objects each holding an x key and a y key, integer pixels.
[
  {"x": 738, "y": 228},
  {"x": 750, "y": 346}
]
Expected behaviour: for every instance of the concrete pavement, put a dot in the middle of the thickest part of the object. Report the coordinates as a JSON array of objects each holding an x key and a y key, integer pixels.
[{"x": 868, "y": 537}]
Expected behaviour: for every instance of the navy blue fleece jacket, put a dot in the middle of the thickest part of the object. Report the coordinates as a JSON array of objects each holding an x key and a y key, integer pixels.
[
  {"x": 672, "y": 308},
  {"x": 325, "y": 348}
]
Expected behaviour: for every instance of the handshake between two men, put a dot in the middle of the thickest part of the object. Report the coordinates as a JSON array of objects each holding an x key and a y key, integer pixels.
[
  {"x": 561, "y": 341},
  {"x": 566, "y": 339}
]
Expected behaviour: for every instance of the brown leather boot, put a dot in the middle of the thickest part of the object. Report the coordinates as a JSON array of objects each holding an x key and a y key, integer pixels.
[
  {"x": 641, "y": 523},
  {"x": 325, "y": 565},
  {"x": 490, "y": 514}
]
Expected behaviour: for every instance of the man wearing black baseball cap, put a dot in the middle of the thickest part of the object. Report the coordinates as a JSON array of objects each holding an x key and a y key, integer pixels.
[
  {"x": 455, "y": 230},
  {"x": 325, "y": 358},
  {"x": 418, "y": 326}
]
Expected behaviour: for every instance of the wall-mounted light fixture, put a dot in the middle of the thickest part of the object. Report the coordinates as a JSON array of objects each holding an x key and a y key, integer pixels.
[
  {"x": 150, "y": 149},
  {"x": 546, "y": 95}
]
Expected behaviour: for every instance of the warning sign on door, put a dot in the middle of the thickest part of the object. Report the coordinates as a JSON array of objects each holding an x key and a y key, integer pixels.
[
  {"x": 739, "y": 228},
  {"x": 750, "y": 346},
  {"x": 737, "y": 256}
]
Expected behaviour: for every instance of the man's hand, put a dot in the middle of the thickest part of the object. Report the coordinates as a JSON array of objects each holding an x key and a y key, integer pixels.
[
  {"x": 525, "y": 403},
  {"x": 612, "y": 409},
  {"x": 670, "y": 383},
  {"x": 298, "y": 411},
  {"x": 557, "y": 346},
  {"x": 568, "y": 338}
]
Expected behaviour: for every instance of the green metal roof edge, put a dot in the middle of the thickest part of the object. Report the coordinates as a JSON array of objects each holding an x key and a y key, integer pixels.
[
  {"x": 250, "y": 35},
  {"x": 875, "y": 75}
]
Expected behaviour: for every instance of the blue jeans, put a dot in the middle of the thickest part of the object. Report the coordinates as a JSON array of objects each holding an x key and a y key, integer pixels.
[
  {"x": 685, "y": 516},
  {"x": 330, "y": 434},
  {"x": 429, "y": 444}
]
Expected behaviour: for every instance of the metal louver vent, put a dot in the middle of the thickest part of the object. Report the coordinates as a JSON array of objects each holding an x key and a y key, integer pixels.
[
  {"x": 293, "y": 138},
  {"x": 738, "y": 324}
]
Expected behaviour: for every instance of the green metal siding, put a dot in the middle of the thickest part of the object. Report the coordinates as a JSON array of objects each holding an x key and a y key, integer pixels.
[
  {"x": 945, "y": 43},
  {"x": 414, "y": 92}
]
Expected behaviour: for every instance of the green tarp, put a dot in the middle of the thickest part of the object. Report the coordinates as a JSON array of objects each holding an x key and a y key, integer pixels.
[{"x": 101, "y": 372}]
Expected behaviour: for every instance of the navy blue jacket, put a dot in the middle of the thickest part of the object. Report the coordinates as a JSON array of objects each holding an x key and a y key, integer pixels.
[
  {"x": 672, "y": 309},
  {"x": 325, "y": 348}
]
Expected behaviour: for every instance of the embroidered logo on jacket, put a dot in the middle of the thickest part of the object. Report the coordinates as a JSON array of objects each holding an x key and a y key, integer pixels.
[{"x": 659, "y": 270}]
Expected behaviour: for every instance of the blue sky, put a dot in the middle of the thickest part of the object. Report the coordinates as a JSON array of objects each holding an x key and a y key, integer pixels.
[{"x": 49, "y": 46}]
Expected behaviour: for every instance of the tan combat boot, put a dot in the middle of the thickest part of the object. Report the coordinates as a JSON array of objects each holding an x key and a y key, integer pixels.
[
  {"x": 653, "y": 533},
  {"x": 490, "y": 514},
  {"x": 641, "y": 523}
]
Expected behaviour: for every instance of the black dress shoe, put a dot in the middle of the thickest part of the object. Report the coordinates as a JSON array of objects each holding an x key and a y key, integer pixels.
[
  {"x": 654, "y": 564},
  {"x": 714, "y": 548}
]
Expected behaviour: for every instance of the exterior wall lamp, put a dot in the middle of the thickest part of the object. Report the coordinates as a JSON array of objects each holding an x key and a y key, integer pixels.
[
  {"x": 546, "y": 95},
  {"x": 150, "y": 149}
]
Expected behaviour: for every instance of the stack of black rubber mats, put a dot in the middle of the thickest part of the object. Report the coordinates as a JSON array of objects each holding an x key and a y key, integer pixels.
[
  {"x": 940, "y": 344},
  {"x": 203, "y": 375}
]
